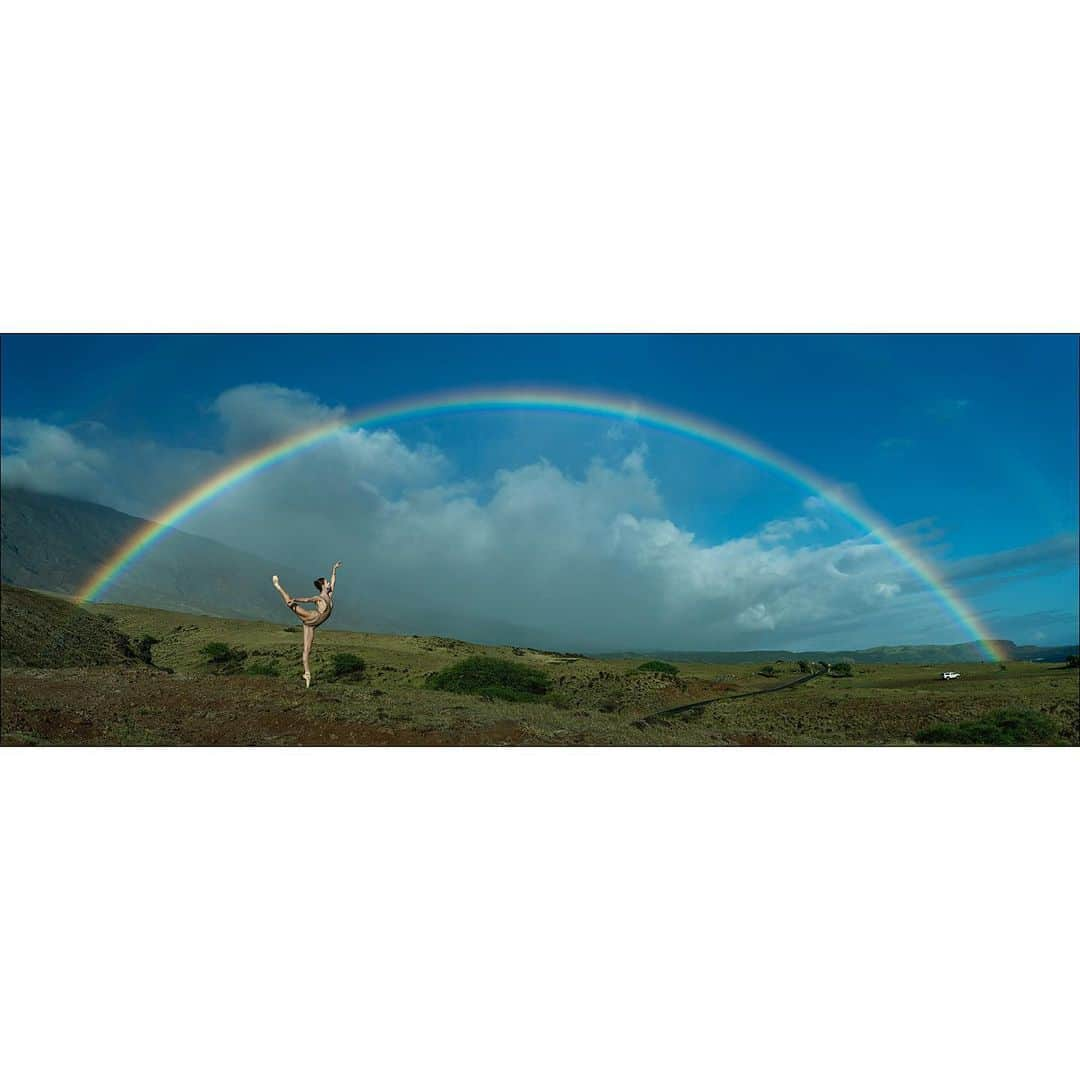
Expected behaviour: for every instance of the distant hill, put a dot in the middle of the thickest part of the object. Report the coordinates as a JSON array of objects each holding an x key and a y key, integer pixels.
[
  {"x": 967, "y": 652},
  {"x": 53, "y": 543},
  {"x": 45, "y": 631}
]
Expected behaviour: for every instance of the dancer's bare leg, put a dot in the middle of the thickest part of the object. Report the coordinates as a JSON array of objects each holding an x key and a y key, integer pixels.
[
  {"x": 309, "y": 637},
  {"x": 284, "y": 595},
  {"x": 292, "y": 602}
]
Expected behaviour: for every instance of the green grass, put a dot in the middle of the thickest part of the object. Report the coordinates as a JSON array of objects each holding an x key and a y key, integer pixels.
[
  {"x": 262, "y": 667},
  {"x": 186, "y": 699},
  {"x": 1005, "y": 727}
]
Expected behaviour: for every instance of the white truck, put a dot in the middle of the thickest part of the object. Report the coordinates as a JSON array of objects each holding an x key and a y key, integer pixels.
[{"x": 950, "y": 674}]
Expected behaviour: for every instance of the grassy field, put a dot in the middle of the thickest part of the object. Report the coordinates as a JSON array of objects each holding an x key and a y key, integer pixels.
[{"x": 112, "y": 695}]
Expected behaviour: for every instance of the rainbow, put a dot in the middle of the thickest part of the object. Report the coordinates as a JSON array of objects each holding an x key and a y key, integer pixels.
[{"x": 536, "y": 398}]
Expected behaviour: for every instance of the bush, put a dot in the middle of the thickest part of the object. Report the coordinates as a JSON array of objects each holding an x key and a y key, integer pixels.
[
  {"x": 262, "y": 667},
  {"x": 142, "y": 648},
  {"x": 144, "y": 645},
  {"x": 1005, "y": 727},
  {"x": 219, "y": 654},
  {"x": 804, "y": 667},
  {"x": 658, "y": 665},
  {"x": 843, "y": 669},
  {"x": 768, "y": 672},
  {"x": 488, "y": 676},
  {"x": 346, "y": 665},
  {"x": 1073, "y": 661}
]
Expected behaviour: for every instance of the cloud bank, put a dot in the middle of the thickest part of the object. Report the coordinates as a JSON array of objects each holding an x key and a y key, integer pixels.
[{"x": 590, "y": 561}]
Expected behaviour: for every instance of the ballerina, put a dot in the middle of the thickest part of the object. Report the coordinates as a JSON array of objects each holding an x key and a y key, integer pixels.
[{"x": 324, "y": 607}]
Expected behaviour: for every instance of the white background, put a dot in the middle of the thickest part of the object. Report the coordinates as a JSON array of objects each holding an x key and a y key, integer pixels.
[{"x": 599, "y": 166}]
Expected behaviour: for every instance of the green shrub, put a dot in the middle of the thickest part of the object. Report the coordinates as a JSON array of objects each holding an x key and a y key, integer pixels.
[
  {"x": 1073, "y": 661},
  {"x": 658, "y": 665},
  {"x": 262, "y": 667},
  {"x": 843, "y": 669},
  {"x": 222, "y": 656},
  {"x": 143, "y": 647},
  {"x": 346, "y": 665},
  {"x": 804, "y": 667},
  {"x": 490, "y": 677},
  {"x": 1005, "y": 727},
  {"x": 768, "y": 671}
]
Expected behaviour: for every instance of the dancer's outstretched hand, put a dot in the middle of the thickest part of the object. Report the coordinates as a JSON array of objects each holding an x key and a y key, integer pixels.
[{"x": 337, "y": 565}]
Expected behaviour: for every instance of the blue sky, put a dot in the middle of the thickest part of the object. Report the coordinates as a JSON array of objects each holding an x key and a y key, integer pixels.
[{"x": 975, "y": 436}]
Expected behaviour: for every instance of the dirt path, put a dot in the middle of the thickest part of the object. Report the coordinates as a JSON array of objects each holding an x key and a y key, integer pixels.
[{"x": 658, "y": 717}]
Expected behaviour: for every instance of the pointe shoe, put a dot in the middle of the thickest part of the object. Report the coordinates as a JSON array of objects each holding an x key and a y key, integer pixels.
[
  {"x": 307, "y": 680},
  {"x": 274, "y": 579}
]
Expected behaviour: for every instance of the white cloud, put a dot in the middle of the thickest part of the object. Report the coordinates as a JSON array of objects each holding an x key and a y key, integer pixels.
[
  {"x": 87, "y": 461},
  {"x": 53, "y": 460},
  {"x": 785, "y": 529},
  {"x": 256, "y": 415},
  {"x": 259, "y": 413}
]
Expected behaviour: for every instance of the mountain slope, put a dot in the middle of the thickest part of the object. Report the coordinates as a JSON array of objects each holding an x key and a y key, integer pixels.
[{"x": 55, "y": 544}]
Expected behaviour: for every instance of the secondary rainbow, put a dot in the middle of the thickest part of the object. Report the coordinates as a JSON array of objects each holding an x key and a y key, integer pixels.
[{"x": 540, "y": 398}]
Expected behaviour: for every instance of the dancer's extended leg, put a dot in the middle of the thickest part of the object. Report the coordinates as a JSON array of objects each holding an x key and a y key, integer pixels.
[
  {"x": 291, "y": 604},
  {"x": 284, "y": 595}
]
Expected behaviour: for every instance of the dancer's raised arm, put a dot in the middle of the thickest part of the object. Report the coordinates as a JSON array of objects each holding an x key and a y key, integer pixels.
[{"x": 333, "y": 575}]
